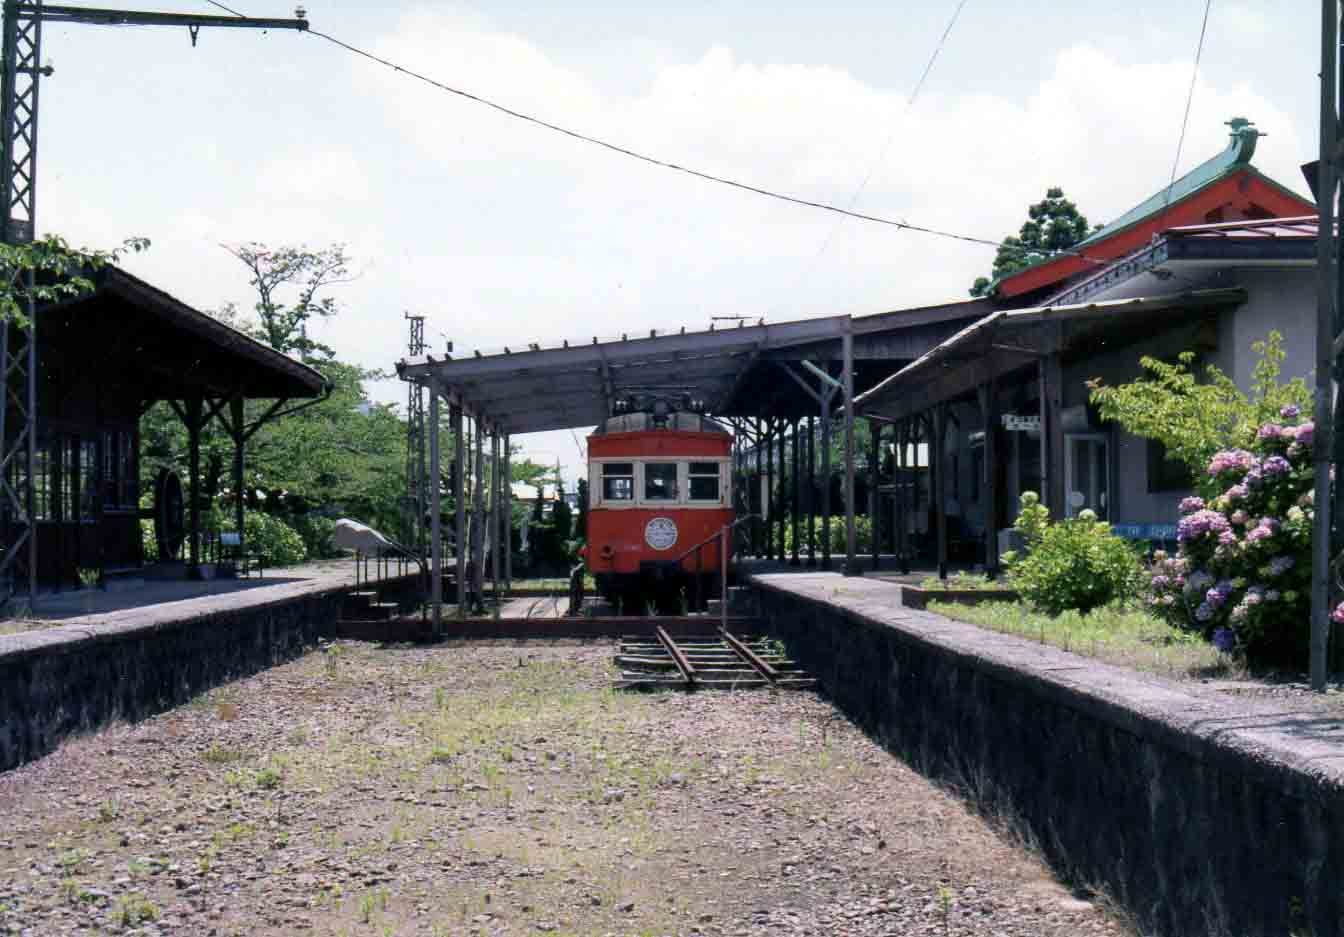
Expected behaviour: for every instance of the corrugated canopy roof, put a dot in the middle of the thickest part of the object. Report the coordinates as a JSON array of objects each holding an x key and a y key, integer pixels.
[
  {"x": 573, "y": 385},
  {"x": 1011, "y": 339}
]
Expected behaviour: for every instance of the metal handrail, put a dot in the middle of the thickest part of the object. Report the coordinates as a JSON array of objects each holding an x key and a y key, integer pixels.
[
  {"x": 720, "y": 535},
  {"x": 715, "y": 536}
]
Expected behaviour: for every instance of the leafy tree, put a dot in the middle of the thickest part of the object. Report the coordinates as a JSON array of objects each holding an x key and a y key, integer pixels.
[
  {"x": 1053, "y": 224},
  {"x": 1194, "y": 420},
  {"x": 342, "y": 455},
  {"x": 284, "y": 326},
  {"x": 59, "y": 272}
]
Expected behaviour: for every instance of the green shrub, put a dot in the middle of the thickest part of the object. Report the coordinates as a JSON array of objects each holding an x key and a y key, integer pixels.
[
  {"x": 275, "y": 540},
  {"x": 149, "y": 545},
  {"x": 863, "y": 534},
  {"x": 1076, "y": 564},
  {"x": 316, "y": 532}
]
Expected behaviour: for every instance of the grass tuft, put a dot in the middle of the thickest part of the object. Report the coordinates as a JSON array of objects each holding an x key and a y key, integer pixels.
[{"x": 1117, "y": 635}]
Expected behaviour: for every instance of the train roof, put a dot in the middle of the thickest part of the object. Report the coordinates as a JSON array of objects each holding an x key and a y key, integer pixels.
[{"x": 679, "y": 421}]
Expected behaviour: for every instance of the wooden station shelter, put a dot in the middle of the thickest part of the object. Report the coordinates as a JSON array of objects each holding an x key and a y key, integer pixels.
[{"x": 103, "y": 359}]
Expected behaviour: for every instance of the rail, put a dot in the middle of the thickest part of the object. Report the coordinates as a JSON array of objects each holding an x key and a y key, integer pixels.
[
  {"x": 400, "y": 558},
  {"x": 722, "y": 536}
]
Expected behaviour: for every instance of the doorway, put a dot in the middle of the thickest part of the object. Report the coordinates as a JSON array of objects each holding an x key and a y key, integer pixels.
[{"x": 1087, "y": 474}]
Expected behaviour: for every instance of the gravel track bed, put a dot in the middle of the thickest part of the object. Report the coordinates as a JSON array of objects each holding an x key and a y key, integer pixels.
[{"x": 502, "y": 790}]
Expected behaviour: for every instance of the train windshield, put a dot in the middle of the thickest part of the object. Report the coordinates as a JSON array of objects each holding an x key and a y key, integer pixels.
[
  {"x": 660, "y": 481},
  {"x": 704, "y": 481},
  {"x": 618, "y": 481}
]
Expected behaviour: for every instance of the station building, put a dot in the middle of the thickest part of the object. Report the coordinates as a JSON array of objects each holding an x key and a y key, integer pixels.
[{"x": 1210, "y": 265}]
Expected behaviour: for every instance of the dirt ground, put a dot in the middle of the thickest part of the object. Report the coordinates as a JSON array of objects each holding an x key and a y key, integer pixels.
[{"x": 492, "y": 790}]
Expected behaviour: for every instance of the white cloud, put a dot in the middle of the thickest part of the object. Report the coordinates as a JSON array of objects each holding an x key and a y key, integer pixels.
[{"x": 499, "y": 231}]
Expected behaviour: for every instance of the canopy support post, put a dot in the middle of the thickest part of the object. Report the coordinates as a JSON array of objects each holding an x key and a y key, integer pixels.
[{"x": 435, "y": 517}]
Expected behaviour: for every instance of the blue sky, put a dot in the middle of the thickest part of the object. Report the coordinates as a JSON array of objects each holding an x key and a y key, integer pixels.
[{"x": 498, "y": 231}]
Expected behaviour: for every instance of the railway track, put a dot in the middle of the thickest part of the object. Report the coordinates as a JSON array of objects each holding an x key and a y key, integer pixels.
[{"x": 722, "y": 662}]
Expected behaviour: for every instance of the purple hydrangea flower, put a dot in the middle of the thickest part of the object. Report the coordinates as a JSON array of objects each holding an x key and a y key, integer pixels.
[
  {"x": 1305, "y": 433},
  {"x": 1273, "y": 595},
  {"x": 1277, "y": 465},
  {"x": 1217, "y": 597},
  {"x": 1236, "y": 492},
  {"x": 1337, "y": 616},
  {"x": 1192, "y": 504},
  {"x": 1205, "y": 611},
  {"x": 1290, "y": 411},
  {"x": 1239, "y": 516},
  {"x": 1160, "y": 582},
  {"x": 1231, "y": 460},
  {"x": 1270, "y": 431},
  {"x": 1281, "y": 564},
  {"x": 1198, "y": 581},
  {"x": 1224, "y": 640},
  {"x": 1196, "y": 525}
]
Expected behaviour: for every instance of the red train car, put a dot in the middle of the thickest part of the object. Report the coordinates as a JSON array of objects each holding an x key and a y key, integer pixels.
[{"x": 658, "y": 485}]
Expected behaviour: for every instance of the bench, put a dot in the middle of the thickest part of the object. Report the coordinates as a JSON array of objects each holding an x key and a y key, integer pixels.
[{"x": 232, "y": 555}]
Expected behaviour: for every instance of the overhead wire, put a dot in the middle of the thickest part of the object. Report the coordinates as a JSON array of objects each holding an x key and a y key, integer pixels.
[
  {"x": 214, "y": 3},
  {"x": 1185, "y": 122},
  {"x": 1189, "y": 99},
  {"x": 677, "y": 167},
  {"x": 891, "y": 135}
]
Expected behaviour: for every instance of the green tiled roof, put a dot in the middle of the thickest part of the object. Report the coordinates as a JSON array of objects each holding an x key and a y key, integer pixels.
[{"x": 1237, "y": 156}]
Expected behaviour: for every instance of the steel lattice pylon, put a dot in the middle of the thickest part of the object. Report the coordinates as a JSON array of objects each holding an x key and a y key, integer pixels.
[
  {"x": 417, "y": 489},
  {"x": 22, "y": 50}
]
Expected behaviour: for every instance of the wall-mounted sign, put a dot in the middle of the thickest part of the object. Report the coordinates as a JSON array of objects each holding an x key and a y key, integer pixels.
[{"x": 1014, "y": 423}]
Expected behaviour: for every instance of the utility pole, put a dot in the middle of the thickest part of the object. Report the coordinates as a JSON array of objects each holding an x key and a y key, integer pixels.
[
  {"x": 1329, "y": 440},
  {"x": 417, "y": 477},
  {"x": 20, "y": 74}
]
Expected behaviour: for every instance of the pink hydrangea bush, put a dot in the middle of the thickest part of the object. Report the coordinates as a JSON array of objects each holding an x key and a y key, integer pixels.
[{"x": 1242, "y": 574}]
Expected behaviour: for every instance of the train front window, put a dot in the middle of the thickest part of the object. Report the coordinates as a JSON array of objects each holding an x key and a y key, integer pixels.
[
  {"x": 704, "y": 481},
  {"x": 618, "y": 481},
  {"x": 660, "y": 481}
]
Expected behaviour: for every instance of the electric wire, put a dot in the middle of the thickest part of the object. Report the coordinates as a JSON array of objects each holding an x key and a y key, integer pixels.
[
  {"x": 213, "y": 3},
  {"x": 891, "y": 134},
  {"x": 1189, "y": 99},
  {"x": 676, "y": 167}
]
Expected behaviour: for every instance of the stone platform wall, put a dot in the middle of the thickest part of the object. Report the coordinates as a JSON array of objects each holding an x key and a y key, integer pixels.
[
  {"x": 76, "y": 678},
  {"x": 1199, "y": 815}
]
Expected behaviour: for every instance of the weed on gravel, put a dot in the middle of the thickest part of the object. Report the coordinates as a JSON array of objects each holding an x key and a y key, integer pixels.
[{"x": 495, "y": 790}]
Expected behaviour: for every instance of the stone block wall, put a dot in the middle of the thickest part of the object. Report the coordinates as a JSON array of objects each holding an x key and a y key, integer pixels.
[
  {"x": 1199, "y": 815},
  {"x": 67, "y": 680}
]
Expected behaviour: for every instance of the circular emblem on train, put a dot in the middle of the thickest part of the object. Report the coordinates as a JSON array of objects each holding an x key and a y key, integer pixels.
[{"x": 661, "y": 533}]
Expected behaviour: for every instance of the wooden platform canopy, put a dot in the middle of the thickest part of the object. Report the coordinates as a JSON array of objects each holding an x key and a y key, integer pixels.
[
  {"x": 1023, "y": 347},
  {"x": 103, "y": 359}
]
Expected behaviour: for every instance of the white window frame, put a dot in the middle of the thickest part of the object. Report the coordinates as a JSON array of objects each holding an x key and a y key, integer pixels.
[{"x": 683, "y": 499}]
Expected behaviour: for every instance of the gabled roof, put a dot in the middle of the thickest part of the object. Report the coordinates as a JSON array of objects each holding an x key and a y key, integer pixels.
[
  {"x": 1235, "y": 157},
  {"x": 1228, "y": 178}
]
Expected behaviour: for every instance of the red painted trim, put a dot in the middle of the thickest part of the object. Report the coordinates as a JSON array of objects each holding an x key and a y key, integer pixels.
[
  {"x": 658, "y": 443},
  {"x": 623, "y": 533},
  {"x": 1238, "y": 191}
]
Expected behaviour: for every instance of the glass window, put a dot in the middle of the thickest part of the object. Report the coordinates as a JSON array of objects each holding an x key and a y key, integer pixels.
[
  {"x": 704, "y": 481},
  {"x": 88, "y": 479},
  {"x": 618, "y": 481},
  {"x": 65, "y": 480},
  {"x": 126, "y": 474},
  {"x": 660, "y": 481},
  {"x": 42, "y": 486}
]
